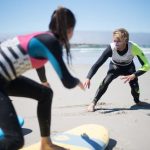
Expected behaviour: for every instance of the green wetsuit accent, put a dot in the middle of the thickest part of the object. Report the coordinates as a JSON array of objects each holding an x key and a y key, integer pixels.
[{"x": 136, "y": 51}]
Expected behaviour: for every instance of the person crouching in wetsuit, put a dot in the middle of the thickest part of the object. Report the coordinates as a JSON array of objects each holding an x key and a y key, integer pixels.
[
  {"x": 32, "y": 51},
  {"x": 122, "y": 51}
]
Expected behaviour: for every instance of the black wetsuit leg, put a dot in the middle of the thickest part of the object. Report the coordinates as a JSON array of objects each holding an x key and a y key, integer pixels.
[
  {"x": 25, "y": 87},
  {"x": 13, "y": 139},
  {"x": 135, "y": 90},
  {"x": 113, "y": 72},
  {"x": 111, "y": 75},
  {"x": 133, "y": 83}
]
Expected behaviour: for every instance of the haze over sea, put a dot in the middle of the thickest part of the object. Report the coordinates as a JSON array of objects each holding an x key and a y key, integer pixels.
[
  {"x": 87, "y": 46},
  {"x": 89, "y": 55}
]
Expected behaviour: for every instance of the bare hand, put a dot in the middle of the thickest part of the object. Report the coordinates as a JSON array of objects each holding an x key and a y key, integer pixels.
[
  {"x": 128, "y": 78},
  {"x": 46, "y": 84},
  {"x": 87, "y": 83},
  {"x": 81, "y": 85}
]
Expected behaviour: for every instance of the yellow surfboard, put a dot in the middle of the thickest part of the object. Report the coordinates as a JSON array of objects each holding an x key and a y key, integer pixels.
[{"x": 84, "y": 137}]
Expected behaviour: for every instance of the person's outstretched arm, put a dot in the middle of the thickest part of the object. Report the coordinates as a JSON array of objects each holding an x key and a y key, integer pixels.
[
  {"x": 102, "y": 59},
  {"x": 48, "y": 47}
]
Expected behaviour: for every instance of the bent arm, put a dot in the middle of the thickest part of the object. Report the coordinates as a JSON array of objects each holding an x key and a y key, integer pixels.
[
  {"x": 42, "y": 74},
  {"x": 136, "y": 50}
]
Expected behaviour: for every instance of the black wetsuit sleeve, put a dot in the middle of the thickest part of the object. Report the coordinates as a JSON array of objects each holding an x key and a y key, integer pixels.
[
  {"x": 67, "y": 79},
  {"x": 139, "y": 72},
  {"x": 53, "y": 52},
  {"x": 42, "y": 74},
  {"x": 105, "y": 55}
]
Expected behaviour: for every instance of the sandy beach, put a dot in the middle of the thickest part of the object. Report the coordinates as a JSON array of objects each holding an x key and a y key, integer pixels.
[{"x": 128, "y": 125}]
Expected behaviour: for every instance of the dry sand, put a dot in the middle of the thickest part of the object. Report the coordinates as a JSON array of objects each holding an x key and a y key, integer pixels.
[{"x": 128, "y": 125}]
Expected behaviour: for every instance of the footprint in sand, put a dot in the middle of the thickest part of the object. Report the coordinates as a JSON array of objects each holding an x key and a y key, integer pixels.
[{"x": 120, "y": 112}]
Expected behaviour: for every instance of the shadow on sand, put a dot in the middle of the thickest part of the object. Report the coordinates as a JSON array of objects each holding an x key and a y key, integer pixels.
[
  {"x": 112, "y": 143},
  {"x": 144, "y": 105}
]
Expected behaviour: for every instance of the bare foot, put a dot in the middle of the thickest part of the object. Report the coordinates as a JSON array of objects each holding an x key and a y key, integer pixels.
[
  {"x": 91, "y": 107},
  {"x": 46, "y": 144},
  {"x": 52, "y": 147}
]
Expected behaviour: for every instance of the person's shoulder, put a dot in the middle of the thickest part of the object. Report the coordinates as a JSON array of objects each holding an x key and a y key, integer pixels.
[
  {"x": 48, "y": 38},
  {"x": 131, "y": 43},
  {"x": 111, "y": 45},
  {"x": 47, "y": 35}
]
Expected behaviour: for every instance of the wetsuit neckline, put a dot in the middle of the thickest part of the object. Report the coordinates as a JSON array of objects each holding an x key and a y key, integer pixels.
[{"x": 124, "y": 51}]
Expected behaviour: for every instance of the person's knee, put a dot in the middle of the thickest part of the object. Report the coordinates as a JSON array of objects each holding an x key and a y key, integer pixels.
[
  {"x": 105, "y": 83},
  {"x": 134, "y": 87},
  {"x": 46, "y": 94},
  {"x": 107, "y": 80}
]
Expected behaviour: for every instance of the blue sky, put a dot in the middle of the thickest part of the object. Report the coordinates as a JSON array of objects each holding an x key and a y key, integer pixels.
[{"x": 21, "y": 16}]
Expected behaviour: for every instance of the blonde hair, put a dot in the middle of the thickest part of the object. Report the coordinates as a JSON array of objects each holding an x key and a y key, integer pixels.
[{"x": 121, "y": 33}]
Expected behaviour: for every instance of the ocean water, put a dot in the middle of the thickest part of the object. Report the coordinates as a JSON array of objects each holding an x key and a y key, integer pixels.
[{"x": 87, "y": 55}]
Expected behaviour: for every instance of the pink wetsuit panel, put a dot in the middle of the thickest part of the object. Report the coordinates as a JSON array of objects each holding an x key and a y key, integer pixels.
[{"x": 24, "y": 40}]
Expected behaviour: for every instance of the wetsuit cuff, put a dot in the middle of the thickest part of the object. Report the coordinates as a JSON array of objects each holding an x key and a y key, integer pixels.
[
  {"x": 88, "y": 77},
  {"x": 136, "y": 75}
]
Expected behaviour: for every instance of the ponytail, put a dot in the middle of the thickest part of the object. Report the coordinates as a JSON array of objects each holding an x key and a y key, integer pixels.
[{"x": 61, "y": 20}]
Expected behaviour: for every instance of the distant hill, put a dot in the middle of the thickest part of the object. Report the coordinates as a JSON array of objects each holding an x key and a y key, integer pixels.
[
  {"x": 98, "y": 37},
  {"x": 105, "y": 37}
]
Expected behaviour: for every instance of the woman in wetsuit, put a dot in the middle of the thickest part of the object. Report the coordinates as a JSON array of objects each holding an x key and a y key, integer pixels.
[
  {"x": 122, "y": 52},
  {"x": 32, "y": 51}
]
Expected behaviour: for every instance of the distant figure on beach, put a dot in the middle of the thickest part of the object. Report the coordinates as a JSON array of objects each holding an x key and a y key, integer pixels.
[
  {"x": 32, "y": 51},
  {"x": 121, "y": 51}
]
